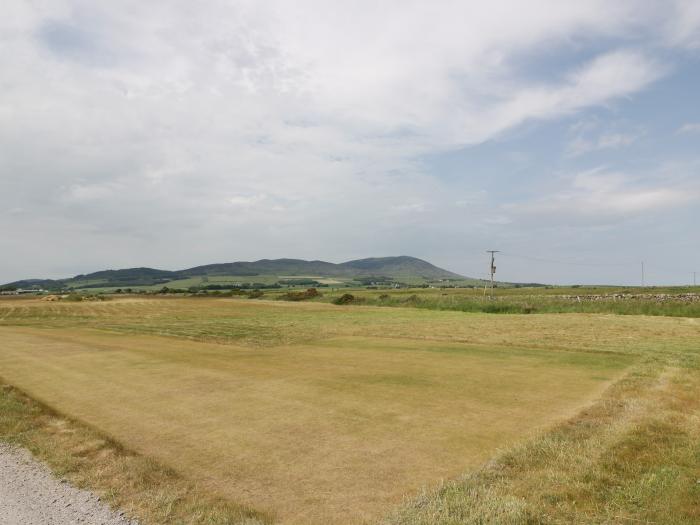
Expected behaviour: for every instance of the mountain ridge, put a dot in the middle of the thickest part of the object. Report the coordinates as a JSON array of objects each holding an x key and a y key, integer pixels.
[{"x": 394, "y": 267}]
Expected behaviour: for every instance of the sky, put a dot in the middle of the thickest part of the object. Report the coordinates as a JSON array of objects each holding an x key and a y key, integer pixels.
[{"x": 174, "y": 133}]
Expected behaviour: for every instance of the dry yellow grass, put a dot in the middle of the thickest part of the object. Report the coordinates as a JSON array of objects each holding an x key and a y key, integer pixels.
[
  {"x": 632, "y": 457},
  {"x": 135, "y": 484},
  {"x": 317, "y": 413},
  {"x": 271, "y": 323}
]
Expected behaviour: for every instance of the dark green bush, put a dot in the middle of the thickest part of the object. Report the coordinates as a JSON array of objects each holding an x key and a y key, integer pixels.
[
  {"x": 311, "y": 293},
  {"x": 346, "y": 298}
]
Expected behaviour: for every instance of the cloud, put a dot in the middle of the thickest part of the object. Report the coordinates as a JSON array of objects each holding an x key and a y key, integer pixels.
[
  {"x": 609, "y": 76},
  {"x": 588, "y": 139},
  {"x": 294, "y": 128},
  {"x": 246, "y": 201},
  {"x": 409, "y": 208},
  {"x": 90, "y": 192},
  {"x": 600, "y": 195},
  {"x": 691, "y": 127},
  {"x": 682, "y": 28}
]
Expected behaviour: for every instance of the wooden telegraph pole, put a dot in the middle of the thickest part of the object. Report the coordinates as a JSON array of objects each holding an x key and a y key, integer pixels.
[{"x": 493, "y": 267}]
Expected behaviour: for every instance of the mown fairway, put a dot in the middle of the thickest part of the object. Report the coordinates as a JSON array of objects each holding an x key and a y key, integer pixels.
[{"x": 317, "y": 413}]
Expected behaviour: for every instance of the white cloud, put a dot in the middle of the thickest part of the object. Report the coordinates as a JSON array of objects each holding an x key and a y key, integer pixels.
[
  {"x": 582, "y": 144},
  {"x": 603, "y": 195},
  {"x": 691, "y": 127},
  {"x": 411, "y": 207},
  {"x": 683, "y": 27},
  {"x": 91, "y": 192},
  {"x": 615, "y": 140},
  {"x": 174, "y": 120},
  {"x": 605, "y": 78},
  {"x": 246, "y": 201}
]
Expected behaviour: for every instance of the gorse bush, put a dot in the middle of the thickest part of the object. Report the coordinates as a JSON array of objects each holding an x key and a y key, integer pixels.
[
  {"x": 346, "y": 298},
  {"x": 310, "y": 293}
]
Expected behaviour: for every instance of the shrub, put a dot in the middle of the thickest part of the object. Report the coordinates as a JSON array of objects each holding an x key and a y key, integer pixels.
[
  {"x": 255, "y": 294},
  {"x": 311, "y": 293},
  {"x": 346, "y": 298}
]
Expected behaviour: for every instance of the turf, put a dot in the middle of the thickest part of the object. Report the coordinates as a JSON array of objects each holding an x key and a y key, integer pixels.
[{"x": 315, "y": 413}]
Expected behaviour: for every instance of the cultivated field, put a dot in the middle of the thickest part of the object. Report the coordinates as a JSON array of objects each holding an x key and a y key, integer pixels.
[{"x": 317, "y": 413}]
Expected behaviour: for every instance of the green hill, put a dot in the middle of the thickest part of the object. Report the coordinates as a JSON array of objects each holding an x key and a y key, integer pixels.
[
  {"x": 398, "y": 267},
  {"x": 381, "y": 269}
]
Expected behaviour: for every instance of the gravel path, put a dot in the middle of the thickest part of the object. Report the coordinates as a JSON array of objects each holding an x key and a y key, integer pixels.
[{"x": 31, "y": 495}]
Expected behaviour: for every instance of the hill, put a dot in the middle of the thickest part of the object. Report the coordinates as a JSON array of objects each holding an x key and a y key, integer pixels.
[
  {"x": 398, "y": 267},
  {"x": 383, "y": 269}
]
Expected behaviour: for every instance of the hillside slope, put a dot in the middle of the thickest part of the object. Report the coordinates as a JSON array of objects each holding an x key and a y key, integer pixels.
[
  {"x": 401, "y": 268},
  {"x": 397, "y": 267}
]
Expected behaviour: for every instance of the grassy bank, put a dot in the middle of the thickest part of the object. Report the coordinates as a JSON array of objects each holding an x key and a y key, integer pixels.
[
  {"x": 592, "y": 301},
  {"x": 138, "y": 485},
  {"x": 632, "y": 457}
]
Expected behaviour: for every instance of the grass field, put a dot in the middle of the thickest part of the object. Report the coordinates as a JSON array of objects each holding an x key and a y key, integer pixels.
[
  {"x": 316, "y": 413},
  {"x": 673, "y": 301},
  {"x": 679, "y": 301}
]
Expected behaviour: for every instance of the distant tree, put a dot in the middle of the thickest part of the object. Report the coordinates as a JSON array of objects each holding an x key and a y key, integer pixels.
[{"x": 299, "y": 282}]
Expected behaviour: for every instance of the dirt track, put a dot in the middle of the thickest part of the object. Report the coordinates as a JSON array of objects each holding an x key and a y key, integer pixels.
[{"x": 31, "y": 495}]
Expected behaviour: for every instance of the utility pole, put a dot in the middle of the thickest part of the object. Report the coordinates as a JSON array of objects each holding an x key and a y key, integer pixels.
[
  {"x": 493, "y": 267},
  {"x": 642, "y": 274}
]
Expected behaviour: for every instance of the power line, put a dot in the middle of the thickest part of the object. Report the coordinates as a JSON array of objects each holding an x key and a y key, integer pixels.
[
  {"x": 629, "y": 264},
  {"x": 644, "y": 265},
  {"x": 572, "y": 263}
]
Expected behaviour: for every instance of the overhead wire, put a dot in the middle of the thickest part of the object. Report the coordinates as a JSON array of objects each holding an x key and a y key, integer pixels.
[
  {"x": 571, "y": 263},
  {"x": 649, "y": 267}
]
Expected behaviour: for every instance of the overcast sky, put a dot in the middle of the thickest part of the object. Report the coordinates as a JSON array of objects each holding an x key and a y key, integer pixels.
[{"x": 176, "y": 133}]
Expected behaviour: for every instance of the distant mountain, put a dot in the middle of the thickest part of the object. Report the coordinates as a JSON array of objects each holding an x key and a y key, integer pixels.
[
  {"x": 128, "y": 277},
  {"x": 34, "y": 283},
  {"x": 266, "y": 267},
  {"x": 380, "y": 266},
  {"x": 397, "y": 267},
  {"x": 402, "y": 268}
]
